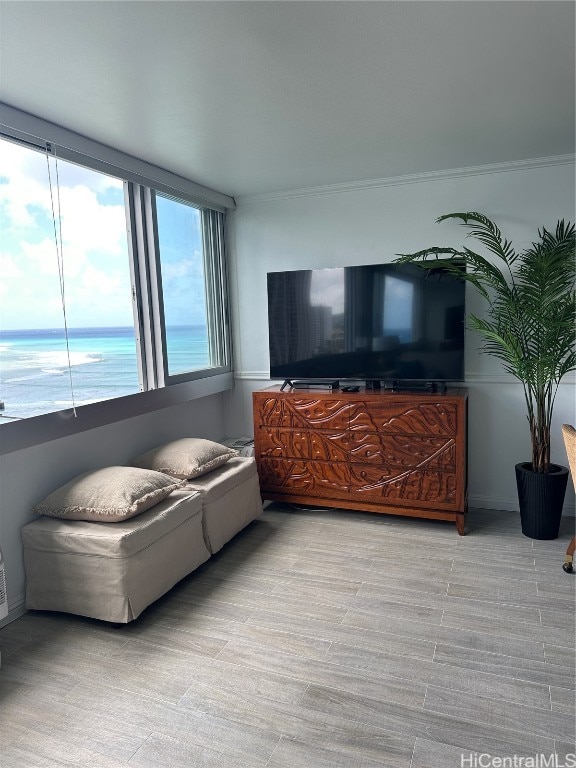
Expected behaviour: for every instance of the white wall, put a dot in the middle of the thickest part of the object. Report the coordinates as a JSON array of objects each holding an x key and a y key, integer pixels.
[
  {"x": 362, "y": 224},
  {"x": 28, "y": 475}
]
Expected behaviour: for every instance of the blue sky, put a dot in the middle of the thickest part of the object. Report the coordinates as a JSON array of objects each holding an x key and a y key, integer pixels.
[
  {"x": 181, "y": 260},
  {"x": 94, "y": 245}
]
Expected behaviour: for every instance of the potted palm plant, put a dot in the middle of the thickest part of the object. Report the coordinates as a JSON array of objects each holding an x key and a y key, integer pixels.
[{"x": 530, "y": 327}]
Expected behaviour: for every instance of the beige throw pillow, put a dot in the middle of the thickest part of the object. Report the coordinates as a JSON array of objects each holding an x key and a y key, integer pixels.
[
  {"x": 185, "y": 458},
  {"x": 108, "y": 495}
]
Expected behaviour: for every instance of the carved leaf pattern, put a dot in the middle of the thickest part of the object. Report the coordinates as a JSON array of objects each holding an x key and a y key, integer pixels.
[
  {"x": 309, "y": 477},
  {"x": 425, "y": 419},
  {"x": 404, "y": 451},
  {"x": 330, "y": 447},
  {"x": 406, "y": 486},
  {"x": 391, "y": 452},
  {"x": 305, "y": 412},
  {"x": 295, "y": 443},
  {"x": 285, "y": 443}
]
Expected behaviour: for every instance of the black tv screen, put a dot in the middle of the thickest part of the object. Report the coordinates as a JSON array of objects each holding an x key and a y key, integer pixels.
[{"x": 391, "y": 322}]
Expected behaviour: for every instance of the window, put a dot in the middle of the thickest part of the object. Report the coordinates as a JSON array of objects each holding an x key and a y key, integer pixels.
[
  {"x": 108, "y": 287},
  {"x": 183, "y": 285},
  {"x": 40, "y": 368}
]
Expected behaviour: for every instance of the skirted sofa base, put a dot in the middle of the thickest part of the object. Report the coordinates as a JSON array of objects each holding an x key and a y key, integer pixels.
[
  {"x": 113, "y": 571},
  {"x": 230, "y": 500}
]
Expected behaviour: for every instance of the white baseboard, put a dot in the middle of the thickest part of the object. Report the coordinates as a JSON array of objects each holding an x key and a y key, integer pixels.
[{"x": 508, "y": 505}]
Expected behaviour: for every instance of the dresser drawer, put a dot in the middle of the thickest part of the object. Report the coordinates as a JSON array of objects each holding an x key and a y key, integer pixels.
[
  {"x": 405, "y": 451},
  {"x": 303, "y": 412},
  {"x": 404, "y": 487},
  {"x": 277, "y": 442},
  {"x": 400, "y": 418},
  {"x": 307, "y": 478}
]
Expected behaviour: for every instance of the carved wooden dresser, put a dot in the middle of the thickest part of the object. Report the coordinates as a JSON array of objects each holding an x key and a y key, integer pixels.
[{"x": 376, "y": 451}]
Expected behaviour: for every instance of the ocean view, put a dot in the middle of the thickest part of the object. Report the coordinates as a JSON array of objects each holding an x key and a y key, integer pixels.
[{"x": 34, "y": 376}]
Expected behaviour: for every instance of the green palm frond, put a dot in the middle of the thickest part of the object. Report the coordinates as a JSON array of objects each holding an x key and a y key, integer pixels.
[
  {"x": 479, "y": 271},
  {"x": 530, "y": 322},
  {"x": 486, "y": 232}
]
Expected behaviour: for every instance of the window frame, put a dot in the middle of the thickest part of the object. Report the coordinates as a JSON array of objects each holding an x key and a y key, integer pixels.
[
  {"x": 215, "y": 286},
  {"x": 142, "y": 182}
]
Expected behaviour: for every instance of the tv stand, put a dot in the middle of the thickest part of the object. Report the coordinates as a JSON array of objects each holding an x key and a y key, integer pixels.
[
  {"x": 420, "y": 386},
  {"x": 328, "y": 384},
  {"x": 399, "y": 453}
]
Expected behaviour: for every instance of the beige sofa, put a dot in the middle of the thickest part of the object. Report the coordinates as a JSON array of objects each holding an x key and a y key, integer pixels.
[{"x": 113, "y": 571}]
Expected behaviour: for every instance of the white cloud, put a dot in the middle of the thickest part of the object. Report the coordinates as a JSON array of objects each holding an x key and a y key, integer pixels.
[
  {"x": 94, "y": 244},
  {"x": 9, "y": 270},
  {"x": 90, "y": 227},
  {"x": 183, "y": 268},
  {"x": 102, "y": 283},
  {"x": 37, "y": 259}
]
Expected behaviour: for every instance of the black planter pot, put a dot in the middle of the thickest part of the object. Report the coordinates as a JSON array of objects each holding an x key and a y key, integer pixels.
[{"x": 541, "y": 498}]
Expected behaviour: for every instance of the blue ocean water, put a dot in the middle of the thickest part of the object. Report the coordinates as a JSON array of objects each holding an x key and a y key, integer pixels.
[{"x": 34, "y": 375}]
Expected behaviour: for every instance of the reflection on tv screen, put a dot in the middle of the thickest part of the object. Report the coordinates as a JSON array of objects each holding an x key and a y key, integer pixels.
[{"x": 382, "y": 321}]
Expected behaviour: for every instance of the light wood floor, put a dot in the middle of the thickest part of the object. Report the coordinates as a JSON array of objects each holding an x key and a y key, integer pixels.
[{"x": 313, "y": 640}]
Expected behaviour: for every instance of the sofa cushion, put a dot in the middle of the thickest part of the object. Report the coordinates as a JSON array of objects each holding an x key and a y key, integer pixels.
[
  {"x": 225, "y": 479},
  {"x": 129, "y": 537},
  {"x": 108, "y": 495},
  {"x": 185, "y": 458}
]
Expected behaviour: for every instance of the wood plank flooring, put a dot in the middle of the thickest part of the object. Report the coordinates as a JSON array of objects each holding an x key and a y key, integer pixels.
[{"x": 315, "y": 639}]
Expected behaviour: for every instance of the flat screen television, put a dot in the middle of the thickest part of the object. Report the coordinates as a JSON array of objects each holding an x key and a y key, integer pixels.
[{"x": 379, "y": 322}]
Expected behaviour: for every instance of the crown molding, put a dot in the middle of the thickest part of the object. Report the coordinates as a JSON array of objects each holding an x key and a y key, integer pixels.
[{"x": 413, "y": 178}]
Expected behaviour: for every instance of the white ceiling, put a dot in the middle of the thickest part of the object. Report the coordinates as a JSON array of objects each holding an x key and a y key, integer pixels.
[{"x": 252, "y": 97}]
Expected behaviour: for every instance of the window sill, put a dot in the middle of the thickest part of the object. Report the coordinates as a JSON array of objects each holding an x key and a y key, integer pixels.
[{"x": 18, "y": 435}]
